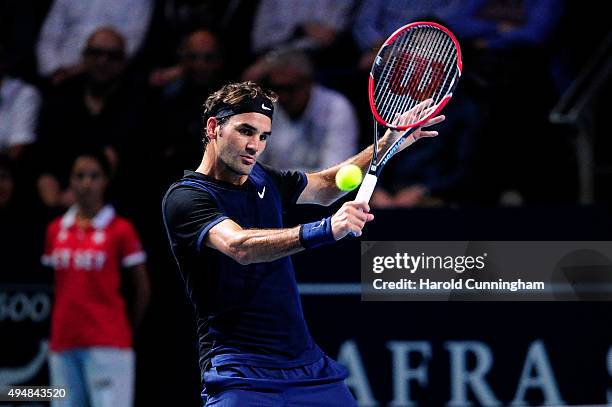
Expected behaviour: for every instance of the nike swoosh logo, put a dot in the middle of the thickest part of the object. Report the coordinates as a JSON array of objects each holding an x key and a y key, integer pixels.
[
  {"x": 264, "y": 107},
  {"x": 263, "y": 191},
  {"x": 320, "y": 224}
]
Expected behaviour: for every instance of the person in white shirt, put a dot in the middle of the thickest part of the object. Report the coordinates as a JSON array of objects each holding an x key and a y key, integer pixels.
[
  {"x": 302, "y": 24},
  {"x": 70, "y": 22},
  {"x": 19, "y": 105},
  {"x": 319, "y": 27},
  {"x": 314, "y": 127}
]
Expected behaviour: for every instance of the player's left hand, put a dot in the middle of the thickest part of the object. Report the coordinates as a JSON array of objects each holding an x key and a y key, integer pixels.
[{"x": 423, "y": 109}]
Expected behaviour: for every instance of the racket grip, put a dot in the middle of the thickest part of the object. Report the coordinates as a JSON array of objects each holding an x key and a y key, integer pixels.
[
  {"x": 365, "y": 191},
  {"x": 367, "y": 188}
]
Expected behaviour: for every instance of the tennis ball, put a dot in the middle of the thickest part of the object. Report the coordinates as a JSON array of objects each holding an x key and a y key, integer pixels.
[{"x": 348, "y": 177}]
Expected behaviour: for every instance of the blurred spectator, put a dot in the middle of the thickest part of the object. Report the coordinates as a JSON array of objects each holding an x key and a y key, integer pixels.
[
  {"x": 314, "y": 127},
  {"x": 505, "y": 44},
  {"x": 100, "y": 108},
  {"x": 299, "y": 24},
  {"x": 315, "y": 26},
  {"x": 437, "y": 171},
  {"x": 498, "y": 24},
  {"x": 174, "y": 20},
  {"x": 70, "y": 22},
  {"x": 500, "y": 37},
  {"x": 92, "y": 325},
  {"x": 19, "y": 104},
  {"x": 378, "y": 19},
  {"x": 201, "y": 67}
]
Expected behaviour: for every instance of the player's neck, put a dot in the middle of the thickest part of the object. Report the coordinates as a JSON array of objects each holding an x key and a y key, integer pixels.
[{"x": 213, "y": 167}]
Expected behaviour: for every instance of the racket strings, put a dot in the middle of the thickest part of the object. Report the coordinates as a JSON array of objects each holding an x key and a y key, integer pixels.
[
  {"x": 447, "y": 51},
  {"x": 428, "y": 75},
  {"x": 451, "y": 75},
  {"x": 424, "y": 58},
  {"x": 393, "y": 65},
  {"x": 396, "y": 62},
  {"x": 437, "y": 68},
  {"x": 399, "y": 65},
  {"x": 422, "y": 76},
  {"x": 420, "y": 64},
  {"x": 419, "y": 69},
  {"x": 381, "y": 98}
]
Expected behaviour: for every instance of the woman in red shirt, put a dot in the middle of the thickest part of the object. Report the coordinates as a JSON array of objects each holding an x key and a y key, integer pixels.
[{"x": 89, "y": 247}]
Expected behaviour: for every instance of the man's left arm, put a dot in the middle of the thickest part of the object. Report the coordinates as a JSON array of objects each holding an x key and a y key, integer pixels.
[{"x": 321, "y": 188}]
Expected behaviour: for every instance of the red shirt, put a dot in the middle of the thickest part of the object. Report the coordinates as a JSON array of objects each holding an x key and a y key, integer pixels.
[{"x": 89, "y": 309}]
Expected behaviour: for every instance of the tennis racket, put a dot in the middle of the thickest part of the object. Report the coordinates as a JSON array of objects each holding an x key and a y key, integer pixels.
[{"x": 411, "y": 80}]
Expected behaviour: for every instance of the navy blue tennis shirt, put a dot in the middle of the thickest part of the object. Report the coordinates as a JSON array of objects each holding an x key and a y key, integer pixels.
[{"x": 249, "y": 314}]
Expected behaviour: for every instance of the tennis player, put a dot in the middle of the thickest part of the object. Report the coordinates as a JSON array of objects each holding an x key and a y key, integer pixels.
[{"x": 225, "y": 230}]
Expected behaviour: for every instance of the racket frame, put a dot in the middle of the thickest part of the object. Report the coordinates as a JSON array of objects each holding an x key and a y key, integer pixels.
[{"x": 369, "y": 182}]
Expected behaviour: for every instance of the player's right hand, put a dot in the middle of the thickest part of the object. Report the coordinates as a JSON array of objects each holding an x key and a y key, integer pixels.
[{"x": 350, "y": 218}]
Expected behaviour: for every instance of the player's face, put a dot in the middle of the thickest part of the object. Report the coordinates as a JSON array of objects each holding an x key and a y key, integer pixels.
[
  {"x": 241, "y": 140},
  {"x": 88, "y": 181}
]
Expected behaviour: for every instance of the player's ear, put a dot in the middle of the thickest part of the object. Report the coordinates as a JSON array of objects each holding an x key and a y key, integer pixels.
[{"x": 212, "y": 124}]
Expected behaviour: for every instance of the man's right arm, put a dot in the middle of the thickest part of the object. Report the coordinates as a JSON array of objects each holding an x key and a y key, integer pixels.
[
  {"x": 248, "y": 246},
  {"x": 193, "y": 219}
]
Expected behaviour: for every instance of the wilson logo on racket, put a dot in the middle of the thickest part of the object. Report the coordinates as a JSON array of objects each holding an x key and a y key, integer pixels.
[{"x": 424, "y": 76}]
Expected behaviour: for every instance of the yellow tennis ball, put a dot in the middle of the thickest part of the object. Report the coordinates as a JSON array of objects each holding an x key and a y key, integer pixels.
[{"x": 348, "y": 177}]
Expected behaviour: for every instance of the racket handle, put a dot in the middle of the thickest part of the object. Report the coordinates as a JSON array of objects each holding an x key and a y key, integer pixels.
[
  {"x": 365, "y": 191},
  {"x": 367, "y": 188}
]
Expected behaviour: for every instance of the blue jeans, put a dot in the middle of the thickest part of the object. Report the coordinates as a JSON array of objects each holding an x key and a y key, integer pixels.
[{"x": 96, "y": 376}]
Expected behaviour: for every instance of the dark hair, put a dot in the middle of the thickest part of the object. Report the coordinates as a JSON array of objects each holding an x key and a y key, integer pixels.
[
  {"x": 99, "y": 156},
  {"x": 232, "y": 94}
]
